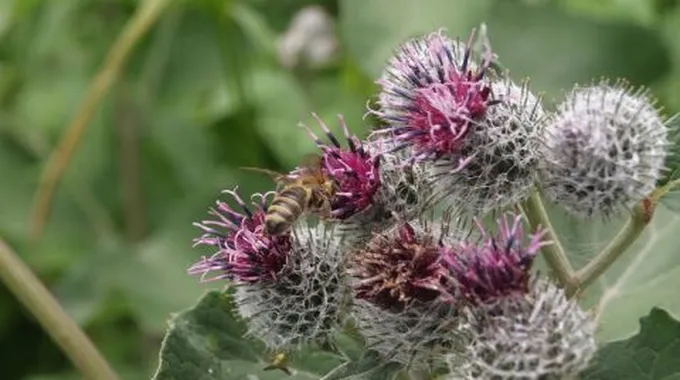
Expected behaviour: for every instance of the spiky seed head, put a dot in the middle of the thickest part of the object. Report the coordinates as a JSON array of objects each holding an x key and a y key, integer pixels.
[
  {"x": 604, "y": 150},
  {"x": 541, "y": 335},
  {"x": 433, "y": 90},
  {"x": 354, "y": 169},
  {"x": 495, "y": 266},
  {"x": 309, "y": 299},
  {"x": 404, "y": 189},
  {"x": 244, "y": 252},
  {"x": 400, "y": 266},
  {"x": 417, "y": 337},
  {"x": 504, "y": 151}
]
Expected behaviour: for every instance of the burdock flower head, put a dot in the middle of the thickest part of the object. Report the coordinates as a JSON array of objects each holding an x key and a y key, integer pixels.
[
  {"x": 354, "y": 170},
  {"x": 401, "y": 305},
  {"x": 505, "y": 152},
  {"x": 432, "y": 91},
  {"x": 245, "y": 253},
  {"x": 308, "y": 301},
  {"x": 541, "y": 335},
  {"x": 498, "y": 266},
  {"x": 604, "y": 150},
  {"x": 400, "y": 267}
]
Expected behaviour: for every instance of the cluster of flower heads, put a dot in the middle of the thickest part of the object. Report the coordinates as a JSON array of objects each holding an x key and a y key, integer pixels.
[{"x": 428, "y": 288}]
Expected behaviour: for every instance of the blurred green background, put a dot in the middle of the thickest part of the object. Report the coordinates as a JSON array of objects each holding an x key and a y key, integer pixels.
[{"x": 215, "y": 85}]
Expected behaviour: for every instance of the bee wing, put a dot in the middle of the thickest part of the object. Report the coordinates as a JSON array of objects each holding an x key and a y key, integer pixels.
[
  {"x": 272, "y": 173},
  {"x": 311, "y": 161},
  {"x": 276, "y": 176}
]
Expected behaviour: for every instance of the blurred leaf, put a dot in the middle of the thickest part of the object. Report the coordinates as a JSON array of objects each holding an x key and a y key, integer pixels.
[
  {"x": 282, "y": 104},
  {"x": 255, "y": 28},
  {"x": 16, "y": 191},
  {"x": 533, "y": 42},
  {"x": 147, "y": 275},
  {"x": 651, "y": 354},
  {"x": 206, "y": 342},
  {"x": 56, "y": 96},
  {"x": 124, "y": 373},
  {"x": 639, "y": 11},
  {"x": 87, "y": 282},
  {"x": 278, "y": 14},
  {"x": 373, "y": 30},
  {"x": 368, "y": 367},
  {"x": 669, "y": 30},
  {"x": 350, "y": 344},
  {"x": 645, "y": 276},
  {"x": 6, "y": 13},
  {"x": 172, "y": 74},
  {"x": 284, "y": 101},
  {"x": 673, "y": 158}
]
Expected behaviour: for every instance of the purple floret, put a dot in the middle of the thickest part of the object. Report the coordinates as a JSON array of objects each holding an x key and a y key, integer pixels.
[{"x": 245, "y": 253}]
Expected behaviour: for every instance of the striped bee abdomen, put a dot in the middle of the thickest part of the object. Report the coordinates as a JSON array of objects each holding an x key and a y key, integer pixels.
[{"x": 286, "y": 207}]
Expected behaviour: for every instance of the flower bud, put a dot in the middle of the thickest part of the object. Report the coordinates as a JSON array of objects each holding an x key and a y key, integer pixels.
[
  {"x": 541, "y": 335},
  {"x": 496, "y": 266},
  {"x": 307, "y": 302},
  {"x": 604, "y": 150},
  {"x": 290, "y": 289},
  {"x": 399, "y": 267},
  {"x": 401, "y": 304},
  {"x": 417, "y": 337},
  {"x": 503, "y": 150},
  {"x": 404, "y": 193}
]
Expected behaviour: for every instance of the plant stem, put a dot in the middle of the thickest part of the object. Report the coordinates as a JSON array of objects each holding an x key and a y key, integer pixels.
[
  {"x": 554, "y": 253},
  {"x": 128, "y": 117},
  {"x": 144, "y": 17},
  {"x": 63, "y": 330},
  {"x": 636, "y": 223}
]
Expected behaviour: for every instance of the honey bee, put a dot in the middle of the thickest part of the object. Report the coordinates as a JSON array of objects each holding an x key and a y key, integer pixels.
[
  {"x": 280, "y": 362},
  {"x": 307, "y": 189}
]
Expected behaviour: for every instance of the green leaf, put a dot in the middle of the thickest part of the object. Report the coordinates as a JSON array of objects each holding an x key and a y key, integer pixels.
[
  {"x": 86, "y": 283},
  {"x": 651, "y": 354},
  {"x": 255, "y": 28},
  {"x": 368, "y": 367},
  {"x": 645, "y": 276},
  {"x": 206, "y": 342},
  {"x": 531, "y": 42},
  {"x": 147, "y": 274},
  {"x": 640, "y": 11},
  {"x": 284, "y": 101},
  {"x": 374, "y": 29}
]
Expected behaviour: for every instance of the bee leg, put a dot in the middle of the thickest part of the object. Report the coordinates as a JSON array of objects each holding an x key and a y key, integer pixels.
[{"x": 325, "y": 210}]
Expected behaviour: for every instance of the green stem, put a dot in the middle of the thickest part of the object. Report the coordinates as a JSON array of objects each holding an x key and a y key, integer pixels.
[
  {"x": 64, "y": 331},
  {"x": 58, "y": 162},
  {"x": 554, "y": 253},
  {"x": 636, "y": 223}
]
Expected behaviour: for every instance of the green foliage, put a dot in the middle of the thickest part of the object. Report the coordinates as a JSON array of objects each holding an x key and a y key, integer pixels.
[
  {"x": 206, "y": 342},
  {"x": 204, "y": 95},
  {"x": 367, "y": 367},
  {"x": 588, "y": 50},
  {"x": 644, "y": 277},
  {"x": 651, "y": 354}
]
